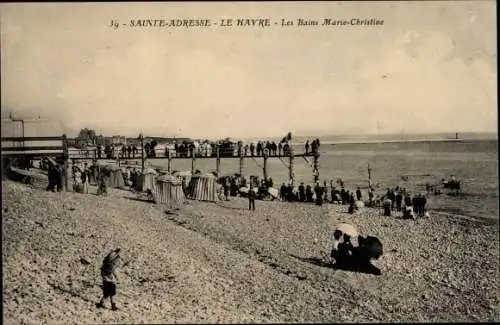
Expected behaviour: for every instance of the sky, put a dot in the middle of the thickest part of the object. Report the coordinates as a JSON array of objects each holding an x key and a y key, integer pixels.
[{"x": 431, "y": 67}]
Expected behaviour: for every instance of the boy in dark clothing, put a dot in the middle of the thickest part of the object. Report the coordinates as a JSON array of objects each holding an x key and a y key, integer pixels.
[{"x": 109, "y": 277}]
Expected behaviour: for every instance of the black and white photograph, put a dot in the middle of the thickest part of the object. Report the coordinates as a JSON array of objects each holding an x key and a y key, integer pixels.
[{"x": 249, "y": 162}]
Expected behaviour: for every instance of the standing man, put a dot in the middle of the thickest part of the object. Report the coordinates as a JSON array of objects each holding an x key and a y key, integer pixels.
[
  {"x": 251, "y": 198},
  {"x": 358, "y": 194},
  {"x": 319, "y": 194},
  {"x": 109, "y": 277},
  {"x": 370, "y": 195}
]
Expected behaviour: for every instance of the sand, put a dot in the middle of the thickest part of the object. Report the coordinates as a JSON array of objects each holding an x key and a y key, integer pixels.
[{"x": 222, "y": 263}]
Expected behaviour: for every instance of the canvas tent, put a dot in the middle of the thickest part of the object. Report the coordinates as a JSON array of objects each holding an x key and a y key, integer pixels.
[
  {"x": 168, "y": 190},
  {"x": 145, "y": 181},
  {"x": 202, "y": 188}
]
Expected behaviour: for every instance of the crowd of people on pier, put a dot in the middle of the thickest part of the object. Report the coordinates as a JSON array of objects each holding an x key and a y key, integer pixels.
[{"x": 205, "y": 148}]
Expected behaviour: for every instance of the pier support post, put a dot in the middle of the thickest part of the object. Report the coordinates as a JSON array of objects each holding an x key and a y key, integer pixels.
[
  {"x": 369, "y": 176},
  {"x": 66, "y": 161},
  {"x": 265, "y": 168},
  {"x": 193, "y": 158},
  {"x": 141, "y": 137},
  {"x": 291, "y": 162},
  {"x": 217, "y": 161},
  {"x": 169, "y": 162},
  {"x": 316, "y": 166},
  {"x": 242, "y": 160}
]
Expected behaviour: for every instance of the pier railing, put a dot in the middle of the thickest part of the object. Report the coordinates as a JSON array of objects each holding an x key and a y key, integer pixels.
[{"x": 29, "y": 148}]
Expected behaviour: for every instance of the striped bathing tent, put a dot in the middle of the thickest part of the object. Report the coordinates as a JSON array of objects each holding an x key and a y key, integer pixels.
[
  {"x": 168, "y": 190},
  {"x": 146, "y": 180},
  {"x": 203, "y": 188}
]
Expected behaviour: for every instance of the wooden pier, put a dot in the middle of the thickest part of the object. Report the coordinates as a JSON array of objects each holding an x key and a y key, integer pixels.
[
  {"x": 265, "y": 158},
  {"x": 65, "y": 154}
]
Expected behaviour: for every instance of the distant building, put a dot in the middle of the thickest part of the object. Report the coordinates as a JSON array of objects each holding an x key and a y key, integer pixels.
[{"x": 118, "y": 139}]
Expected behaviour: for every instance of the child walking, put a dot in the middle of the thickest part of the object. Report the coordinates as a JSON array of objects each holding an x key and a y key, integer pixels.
[{"x": 109, "y": 278}]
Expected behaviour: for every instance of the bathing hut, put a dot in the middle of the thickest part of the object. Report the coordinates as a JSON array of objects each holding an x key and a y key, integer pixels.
[
  {"x": 146, "y": 180},
  {"x": 203, "y": 188},
  {"x": 168, "y": 190}
]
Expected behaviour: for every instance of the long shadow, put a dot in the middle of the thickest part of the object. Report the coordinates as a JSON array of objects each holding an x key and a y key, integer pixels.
[
  {"x": 138, "y": 199},
  {"x": 366, "y": 268},
  {"x": 70, "y": 292},
  {"x": 230, "y": 208}
]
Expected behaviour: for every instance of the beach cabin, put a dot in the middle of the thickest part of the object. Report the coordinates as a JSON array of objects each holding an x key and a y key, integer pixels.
[
  {"x": 168, "y": 190},
  {"x": 202, "y": 187}
]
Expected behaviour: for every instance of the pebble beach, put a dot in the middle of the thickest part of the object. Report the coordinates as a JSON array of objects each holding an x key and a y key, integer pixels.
[{"x": 220, "y": 263}]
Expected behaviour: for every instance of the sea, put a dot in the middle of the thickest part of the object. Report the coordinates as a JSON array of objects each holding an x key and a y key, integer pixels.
[{"x": 407, "y": 161}]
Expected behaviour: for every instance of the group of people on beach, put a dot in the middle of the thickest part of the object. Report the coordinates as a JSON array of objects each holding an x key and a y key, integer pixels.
[
  {"x": 395, "y": 199},
  {"x": 84, "y": 175},
  {"x": 400, "y": 200},
  {"x": 319, "y": 193}
]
